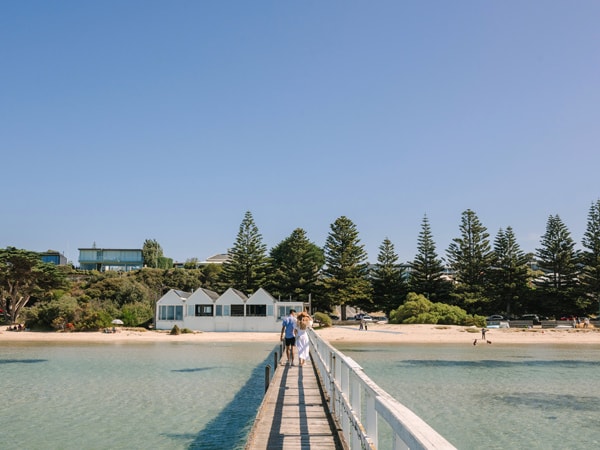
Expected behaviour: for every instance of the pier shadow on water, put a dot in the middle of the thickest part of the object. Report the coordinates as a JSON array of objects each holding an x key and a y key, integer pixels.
[
  {"x": 22, "y": 361},
  {"x": 229, "y": 430},
  {"x": 544, "y": 401},
  {"x": 194, "y": 369}
]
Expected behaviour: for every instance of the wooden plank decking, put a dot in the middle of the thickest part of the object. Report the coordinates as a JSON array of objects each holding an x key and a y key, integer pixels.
[{"x": 294, "y": 414}]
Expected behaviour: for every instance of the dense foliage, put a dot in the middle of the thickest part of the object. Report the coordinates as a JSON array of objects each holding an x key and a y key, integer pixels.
[
  {"x": 152, "y": 253},
  {"x": 24, "y": 276},
  {"x": 478, "y": 280},
  {"x": 417, "y": 309}
]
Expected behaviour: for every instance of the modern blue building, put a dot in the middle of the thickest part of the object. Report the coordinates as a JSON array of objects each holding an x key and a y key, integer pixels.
[
  {"x": 103, "y": 259},
  {"x": 53, "y": 257}
]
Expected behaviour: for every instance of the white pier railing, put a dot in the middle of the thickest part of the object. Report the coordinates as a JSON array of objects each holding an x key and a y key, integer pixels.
[{"x": 358, "y": 405}]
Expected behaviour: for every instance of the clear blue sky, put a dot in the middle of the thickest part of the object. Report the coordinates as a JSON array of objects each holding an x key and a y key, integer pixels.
[{"x": 122, "y": 121}]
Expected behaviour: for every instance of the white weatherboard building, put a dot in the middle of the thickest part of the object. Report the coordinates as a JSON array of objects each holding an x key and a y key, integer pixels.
[{"x": 205, "y": 310}]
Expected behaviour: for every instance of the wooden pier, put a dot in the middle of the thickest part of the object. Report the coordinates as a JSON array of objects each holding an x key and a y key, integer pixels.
[{"x": 294, "y": 414}]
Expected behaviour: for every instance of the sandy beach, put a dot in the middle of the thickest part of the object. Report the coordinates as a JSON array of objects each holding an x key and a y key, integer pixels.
[{"x": 377, "y": 333}]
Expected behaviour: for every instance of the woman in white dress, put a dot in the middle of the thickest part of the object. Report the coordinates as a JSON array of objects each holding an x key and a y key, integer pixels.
[{"x": 303, "y": 322}]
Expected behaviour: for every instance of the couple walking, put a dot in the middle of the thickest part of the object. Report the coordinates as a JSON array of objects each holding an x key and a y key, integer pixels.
[{"x": 294, "y": 329}]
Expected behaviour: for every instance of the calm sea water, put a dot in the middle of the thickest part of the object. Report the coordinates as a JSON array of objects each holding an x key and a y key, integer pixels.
[
  {"x": 492, "y": 396},
  {"x": 205, "y": 396},
  {"x": 133, "y": 396}
]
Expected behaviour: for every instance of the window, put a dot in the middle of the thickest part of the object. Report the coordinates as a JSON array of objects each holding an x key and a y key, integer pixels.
[
  {"x": 204, "y": 310},
  {"x": 256, "y": 310},
  {"x": 285, "y": 310},
  {"x": 237, "y": 310},
  {"x": 222, "y": 310},
  {"x": 170, "y": 312}
]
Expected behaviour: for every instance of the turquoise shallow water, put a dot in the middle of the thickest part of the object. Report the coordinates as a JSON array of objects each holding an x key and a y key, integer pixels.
[
  {"x": 494, "y": 397},
  {"x": 134, "y": 396},
  {"x": 205, "y": 396}
]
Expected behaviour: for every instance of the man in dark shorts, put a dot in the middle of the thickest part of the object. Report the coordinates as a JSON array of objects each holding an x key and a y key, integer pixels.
[{"x": 288, "y": 327}]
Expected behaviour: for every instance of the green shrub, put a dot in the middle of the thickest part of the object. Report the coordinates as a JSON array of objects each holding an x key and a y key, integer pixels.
[
  {"x": 175, "y": 330},
  {"x": 418, "y": 309},
  {"x": 323, "y": 319},
  {"x": 52, "y": 314},
  {"x": 93, "y": 319},
  {"x": 135, "y": 314}
]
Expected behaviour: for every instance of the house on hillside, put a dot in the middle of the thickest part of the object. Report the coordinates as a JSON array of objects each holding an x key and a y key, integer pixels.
[
  {"x": 54, "y": 257},
  {"x": 103, "y": 259},
  {"x": 218, "y": 259},
  {"x": 205, "y": 310}
]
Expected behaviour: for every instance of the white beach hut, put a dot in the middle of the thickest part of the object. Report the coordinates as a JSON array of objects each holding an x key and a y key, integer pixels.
[
  {"x": 261, "y": 312},
  {"x": 230, "y": 311},
  {"x": 205, "y": 310},
  {"x": 200, "y": 310},
  {"x": 170, "y": 309}
]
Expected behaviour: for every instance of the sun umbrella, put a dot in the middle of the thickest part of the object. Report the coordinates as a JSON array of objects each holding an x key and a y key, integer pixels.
[{"x": 117, "y": 322}]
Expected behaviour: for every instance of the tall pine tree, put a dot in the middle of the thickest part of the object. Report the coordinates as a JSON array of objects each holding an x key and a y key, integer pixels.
[
  {"x": 246, "y": 266},
  {"x": 590, "y": 277},
  {"x": 387, "y": 279},
  {"x": 508, "y": 279},
  {"x": 470, "y": 258},
  {"x": 557, "y": 257},
  {"x": 427, "y": 269},
  {"x": 346, "y": 269},
  {"x": 295, "y": 266}
]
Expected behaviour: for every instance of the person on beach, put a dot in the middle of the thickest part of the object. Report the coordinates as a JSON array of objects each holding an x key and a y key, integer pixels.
[
  {"x": 288, "y": 327},
  {"x": 483, "y": 331},
  {"x": 303, "y": 323}
]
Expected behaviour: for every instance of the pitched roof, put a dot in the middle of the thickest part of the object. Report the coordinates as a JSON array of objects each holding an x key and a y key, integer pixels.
[
  {"x": 212, "y": 294},
  {"x": 240, "y": 294},
  {"x": 181, "y": 294}
]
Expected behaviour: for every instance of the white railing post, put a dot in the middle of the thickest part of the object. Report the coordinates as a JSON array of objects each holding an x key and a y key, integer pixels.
[
  {"x": 356, "y": 403},
  {"x": 332, "y": 394},
  {"x": 371, "y": 418},
  {"x": 343, "y": 383},
  {"x": 347, "y": 385}
]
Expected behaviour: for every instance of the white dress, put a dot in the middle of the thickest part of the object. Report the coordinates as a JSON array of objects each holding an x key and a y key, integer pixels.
[{"x": 302, "y": 345}]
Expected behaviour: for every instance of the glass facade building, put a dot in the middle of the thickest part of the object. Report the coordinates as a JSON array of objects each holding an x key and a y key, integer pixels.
[{"x": 103, "y": 259}]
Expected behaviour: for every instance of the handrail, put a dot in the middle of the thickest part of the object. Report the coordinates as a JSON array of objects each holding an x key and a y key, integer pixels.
[{"x": 357, "y": 403}]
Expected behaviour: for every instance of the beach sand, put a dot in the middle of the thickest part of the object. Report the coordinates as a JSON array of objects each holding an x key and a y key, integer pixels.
[{"x": 377, "y": 333}]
